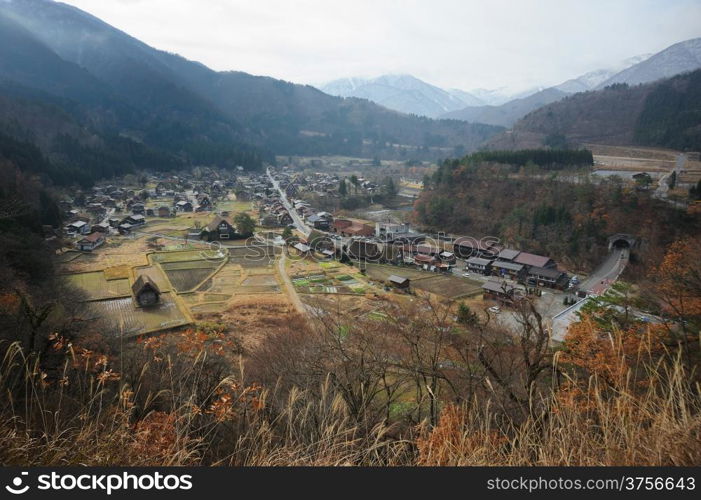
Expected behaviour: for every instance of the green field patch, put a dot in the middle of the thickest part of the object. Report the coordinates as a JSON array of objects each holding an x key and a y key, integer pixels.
[
  {"x": 97, "y": 287},
  {"x": 216, "y": 297},
  {"x": 329, "y": 265},
  {"x": 186, "y": 255},
  {"x": 192, "y": 264},
  {"x": 344, "y": 277}
]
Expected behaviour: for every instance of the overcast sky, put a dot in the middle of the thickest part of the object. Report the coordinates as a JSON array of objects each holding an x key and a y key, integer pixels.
[{"x": 463, "y": 44}]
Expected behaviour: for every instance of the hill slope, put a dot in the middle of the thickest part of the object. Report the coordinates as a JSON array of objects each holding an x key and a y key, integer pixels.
[
  {"x": 231, "y": 106},
  {"x": 678, "y": 58},
  {"x": 508, "y": 113},
  {"x": 665, "y": 113}
]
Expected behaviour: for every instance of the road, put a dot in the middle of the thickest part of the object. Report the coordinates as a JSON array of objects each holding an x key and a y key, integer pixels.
[
  {"x": 296, "y": 219},
  {"x": 291, "y": 292},
  {"x": 608, "y": 271}
]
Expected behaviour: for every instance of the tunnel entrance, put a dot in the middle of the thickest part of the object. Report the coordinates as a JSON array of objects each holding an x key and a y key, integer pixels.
[{"x": 621, "y": 241}]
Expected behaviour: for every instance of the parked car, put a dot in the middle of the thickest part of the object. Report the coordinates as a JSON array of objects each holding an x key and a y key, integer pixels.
[
  {"x": 465, "y": 275},
  {"x": 494, "y": 310}
]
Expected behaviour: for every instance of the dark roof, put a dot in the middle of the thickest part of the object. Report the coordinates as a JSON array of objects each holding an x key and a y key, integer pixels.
[
  {"x": 508, "y": 254},
  {"x": 478, "y": 261},
  {"x": 93, "y": 237},
  {"x": 498, "y": 287},
  {"x": 530, "y": 259},
  {"x": 142, "y": 282},
  {"x": 214, "y": 225},
  {"x": 424, "y": 258},
  {"x": 545, "y": 272},
  {"x": 511, "y": 266},
  {"x": 398, "y": 279}
]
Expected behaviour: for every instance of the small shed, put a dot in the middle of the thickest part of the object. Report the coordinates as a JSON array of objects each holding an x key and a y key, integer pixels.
[{"x": 399, "y": 281}]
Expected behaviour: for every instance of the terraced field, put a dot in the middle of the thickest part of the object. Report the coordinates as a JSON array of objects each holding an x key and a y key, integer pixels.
[
  {"x": 187, "y": 275},
  {"x": 121, "y": 316},
  {"x": 97, "y": 287}
]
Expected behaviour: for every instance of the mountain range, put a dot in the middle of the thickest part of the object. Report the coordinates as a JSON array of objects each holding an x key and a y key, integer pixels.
[
  {"x": 497, "y": 107},
  {"x": 79, "y": 87},
  {"x": 403, "y": 93}
]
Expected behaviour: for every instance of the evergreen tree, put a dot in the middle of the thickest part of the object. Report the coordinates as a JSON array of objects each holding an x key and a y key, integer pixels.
[
  {"x": 245, "y": 225},
  {"x": 342, "y": 187}
]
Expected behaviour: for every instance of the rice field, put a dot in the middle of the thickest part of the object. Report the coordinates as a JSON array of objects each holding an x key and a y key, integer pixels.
[
  {"x": 122, "y": 317},
  {"x": 97, "y": 287},
  {"x": 450, "y": 287}
]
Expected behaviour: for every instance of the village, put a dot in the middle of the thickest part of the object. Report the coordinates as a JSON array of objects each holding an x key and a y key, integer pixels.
[{"x": 157, "y": 252}]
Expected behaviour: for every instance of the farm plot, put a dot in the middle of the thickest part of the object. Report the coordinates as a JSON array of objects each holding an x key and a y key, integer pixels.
[
  {"x": 322, "y": 283},
  {"x": 187, "y": 275},
  {"x": 448, "y": 286},
  {"x": 382, "y": 272},
  {"x": 251, "y": 256},
  {"x": 122, "y": 317},
  {"x": 97, "y": 287}
]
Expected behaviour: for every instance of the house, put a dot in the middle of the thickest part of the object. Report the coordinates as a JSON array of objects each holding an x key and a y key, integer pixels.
[
  {"x": 509, "y": 269},
  {"x": 124, "y": 228},
  {"x": 91, "y": 242},
  {"x": 427, "y": 250},
  {"x": 113, "y": 221},
  {"x": 318, "y": 222},
  {"x": 150, "y": 212},
  {"x": 183, "y": 206},
  {"x": 500, "y": 291},
  {"x": 479, "y": 265},
  {"x": 447, "y": 257},
  {"x": 301, "y": 248},
  {"x": 78, "y": 227},
  {"x": 138, "y": 208},
  {"x": 425, "y": 260},
  {"x": 163, "y": 211},
  {"x": 204, "y": 203},
  {"x": 549, "y": 277},
  {"x": 134, "y": 220},
  {"x": 399, "y": 282},
  {"x": 531, "y": 260},
  {"x": 508, "y": 255},
  {"x": 219, "y": 229},
  {"x": 102, "y": 227},
  {"x": 145, "y": 291},
  {"x": 466, "y": 247}
]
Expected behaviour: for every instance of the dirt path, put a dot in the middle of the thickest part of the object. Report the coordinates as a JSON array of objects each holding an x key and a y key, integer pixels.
[{"x": 291, "y": 292}]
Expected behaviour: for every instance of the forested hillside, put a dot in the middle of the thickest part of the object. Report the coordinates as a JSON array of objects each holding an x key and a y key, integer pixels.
[
  {"x": 534, "y": 210},
  {"x": 671, "y": 117},
  {"x": 114, "y": 92},
  {"x": 664, "y": 114}
]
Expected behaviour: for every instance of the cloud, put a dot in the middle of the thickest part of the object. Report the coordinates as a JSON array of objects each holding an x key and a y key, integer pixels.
[{"x": 452, "y": 43}]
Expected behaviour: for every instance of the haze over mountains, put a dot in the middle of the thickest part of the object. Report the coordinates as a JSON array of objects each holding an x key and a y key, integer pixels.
[
  {"x": 67, "y": 75},
  {"x": 410, "y": 95}
]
